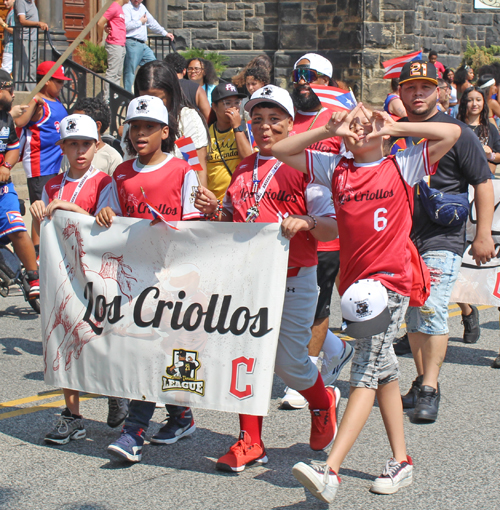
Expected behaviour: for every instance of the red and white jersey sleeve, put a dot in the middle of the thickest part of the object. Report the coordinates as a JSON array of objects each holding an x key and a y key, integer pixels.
[
  {"x": 93, "y": 196},
  {"x": 321, "y": 166},
  {"x": 414, "y": 163},
  {"x": 169, "y": 186}
]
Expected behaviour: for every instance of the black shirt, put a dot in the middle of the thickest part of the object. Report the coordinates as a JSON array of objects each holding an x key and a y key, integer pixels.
[
  {"x": 190, "y": 88},
  {"x": 493, "y": 138},
  {"x": 465, "y": 163}
]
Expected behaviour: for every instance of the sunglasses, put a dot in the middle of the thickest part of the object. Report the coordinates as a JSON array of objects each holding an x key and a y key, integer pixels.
[{"x": 308, "y": 75}]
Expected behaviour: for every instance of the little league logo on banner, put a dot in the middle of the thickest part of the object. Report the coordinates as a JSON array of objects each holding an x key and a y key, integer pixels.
[
  {"x": 480, "y": 285},
  {"x": 188, "y": 317}
]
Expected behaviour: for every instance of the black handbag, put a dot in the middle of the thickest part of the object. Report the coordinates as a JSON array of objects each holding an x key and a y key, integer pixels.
[{"x": 444, "y": 208}]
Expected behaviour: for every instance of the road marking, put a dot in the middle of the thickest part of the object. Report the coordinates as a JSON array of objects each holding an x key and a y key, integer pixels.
[
  {"x": 26, "y": 400},
  {"x": 41, "y": 407}
]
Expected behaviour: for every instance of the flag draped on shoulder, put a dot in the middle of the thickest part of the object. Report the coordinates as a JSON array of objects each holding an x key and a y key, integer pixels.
[
  {"x": 334, "y": 98},
  {"x": 188, "y": 150},
  {"x": 393, "y": 67}
]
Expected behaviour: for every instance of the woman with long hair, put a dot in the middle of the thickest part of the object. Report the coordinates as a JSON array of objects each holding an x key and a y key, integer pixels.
[
  {"x": 473, "y": 110},
  {"x": 448, "y": 76},
  {"x": 202, "y": 71},
  {"x": 488, "y": 85},
  {"x": 158, "y": 79}
]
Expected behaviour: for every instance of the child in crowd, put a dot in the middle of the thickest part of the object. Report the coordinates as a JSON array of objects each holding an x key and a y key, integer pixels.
[
  {"x": 12, "y": 227},
  {"x": 81, "y": 189},
  {"x": 372, "y": 197},
  {"x": 229, "y": 142},
  {"x": 165, "y": 180},
  {"x": 8, "y": 37},
  {"x": 106, "y": 158},
  {"x": 40, "y": 151},
  {"x": 256, "y": 78},
  {"x": 307, "y": 216}
]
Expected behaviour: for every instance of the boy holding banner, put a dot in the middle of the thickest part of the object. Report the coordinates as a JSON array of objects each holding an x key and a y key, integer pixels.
[
  {"x": 264, "y": 189},
  {"x": 372, "y": 197},
  {"x": 82, "y": 189},
  {"x": 168, "y": 183}
]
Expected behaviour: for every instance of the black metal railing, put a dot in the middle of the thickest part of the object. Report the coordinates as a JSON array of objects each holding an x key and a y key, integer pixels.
[{"x": 39, "y": 47}]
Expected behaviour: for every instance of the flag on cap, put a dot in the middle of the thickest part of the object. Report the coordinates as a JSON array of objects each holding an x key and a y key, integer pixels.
[
  {"x": 188, "y": 150},
  {"x": 334, "y": 98},
  {"x": 393, "y": 67},
  {"x": 155, "y": 212}
]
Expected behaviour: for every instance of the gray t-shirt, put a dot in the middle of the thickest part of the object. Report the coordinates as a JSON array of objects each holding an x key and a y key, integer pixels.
[{"x": 28, "y": 8}]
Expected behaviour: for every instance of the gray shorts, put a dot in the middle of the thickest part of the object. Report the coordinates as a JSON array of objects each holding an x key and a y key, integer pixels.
[{"x": 374, "y": 360}]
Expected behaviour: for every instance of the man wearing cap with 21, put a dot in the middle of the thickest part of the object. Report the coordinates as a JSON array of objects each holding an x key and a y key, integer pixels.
[
  {"x": 42, "y": 157},
  {"x": 264, "y": 189}
]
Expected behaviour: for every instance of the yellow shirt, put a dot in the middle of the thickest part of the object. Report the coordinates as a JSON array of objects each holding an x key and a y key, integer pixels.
[{"x": 219, "y": 177}]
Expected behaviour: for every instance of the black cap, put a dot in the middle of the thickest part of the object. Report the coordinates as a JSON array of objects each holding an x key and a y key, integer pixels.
[
  {"x": 182, "y": 353},
  {"x": 418, "y": 70},
  {"x": 5, "y": 79},
  {"x": 224, "y": 90}
]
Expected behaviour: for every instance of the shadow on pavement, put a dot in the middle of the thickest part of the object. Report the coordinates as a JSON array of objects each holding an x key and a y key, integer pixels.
[
  {"x": 25, "y": 313},
  {"x": 465, "y": 355},
  {"x": 34, "y": 376},
  {"x": 12, "y": 346}
]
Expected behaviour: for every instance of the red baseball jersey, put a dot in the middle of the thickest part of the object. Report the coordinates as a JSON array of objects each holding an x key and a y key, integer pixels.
[
  {"x": 92, "y": 196},
  {"x": 288, "y": 193},
  {"x": 373, "y": 213},
  {"x": 169, "y": 186}
]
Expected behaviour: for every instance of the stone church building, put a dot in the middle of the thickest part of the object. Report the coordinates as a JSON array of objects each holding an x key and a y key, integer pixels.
[{"x": 356, "y": 35}]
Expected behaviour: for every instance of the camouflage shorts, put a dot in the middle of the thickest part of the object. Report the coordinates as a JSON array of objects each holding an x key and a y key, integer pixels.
[{"x": 374, "y": 360}]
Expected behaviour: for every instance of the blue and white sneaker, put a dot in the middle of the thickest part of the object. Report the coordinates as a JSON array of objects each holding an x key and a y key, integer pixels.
[
  {"x": 129, "y": 445},
  {"x": 330, "y": 370},
  {"x": 177, "y": 426}
]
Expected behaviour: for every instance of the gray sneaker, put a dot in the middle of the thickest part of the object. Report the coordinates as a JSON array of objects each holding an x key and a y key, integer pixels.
[
  {"x": 117, "y": 411},
  {"x": 472, "y": 330},
  {"x": 319, "y": 479},
  {"x": 67, "y": 427},
  {"x": 330, "y": 371}
]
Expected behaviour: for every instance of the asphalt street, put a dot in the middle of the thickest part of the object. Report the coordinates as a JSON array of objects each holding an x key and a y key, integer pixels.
[{"x": 456, "y": 459}]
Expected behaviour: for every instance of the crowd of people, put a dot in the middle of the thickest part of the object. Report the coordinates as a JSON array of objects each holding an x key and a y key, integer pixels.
[{"x": 357, "y": 220}]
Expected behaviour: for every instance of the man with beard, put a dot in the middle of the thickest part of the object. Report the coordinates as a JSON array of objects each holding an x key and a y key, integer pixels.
[
  {"x": 12, "y": 227},
  {"x": 313, "y": 69},
  {"x": 441, "y": 247}
]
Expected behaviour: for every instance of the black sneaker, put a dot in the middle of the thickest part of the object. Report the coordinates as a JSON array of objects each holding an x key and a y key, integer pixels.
[
  {"x": 472, "y": 331},
  {"x": 427, "y": 404},
  {"x": 402, "y": 346},
  {"x": 117, "y": 411},
  {"x": 496, "y": 362},
  {"x": 68, "y": 426},
  {"x": 410, "y": 399}
]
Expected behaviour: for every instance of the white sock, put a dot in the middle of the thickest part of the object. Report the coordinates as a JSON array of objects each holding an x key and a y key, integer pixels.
[
  {"x": 332, "y": 346},
  {"x": 314, "y": 359}
]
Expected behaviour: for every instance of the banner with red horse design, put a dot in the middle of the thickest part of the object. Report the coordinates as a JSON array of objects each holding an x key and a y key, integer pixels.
[{"x": 188, "y": 317}]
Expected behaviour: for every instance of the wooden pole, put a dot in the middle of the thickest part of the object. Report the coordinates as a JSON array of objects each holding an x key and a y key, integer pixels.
[{"x": 71, "y": 48}]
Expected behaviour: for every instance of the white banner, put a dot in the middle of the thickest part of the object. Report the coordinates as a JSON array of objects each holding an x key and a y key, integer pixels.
[
  {"x": 188, "y": 317},
  {"x": 480, "y": 285}
]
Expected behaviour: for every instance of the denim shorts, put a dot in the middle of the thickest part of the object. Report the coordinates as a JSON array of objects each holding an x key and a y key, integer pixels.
[
  {"x": 374, "y": 360},
  {"x": 432, "y": 318}
]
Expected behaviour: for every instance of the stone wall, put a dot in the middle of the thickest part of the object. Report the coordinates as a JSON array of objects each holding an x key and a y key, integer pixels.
[{"x": 356, "y": 35}]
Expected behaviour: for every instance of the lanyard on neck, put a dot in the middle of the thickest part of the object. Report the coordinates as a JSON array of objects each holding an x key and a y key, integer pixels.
[{"x": 88, "y": 173}]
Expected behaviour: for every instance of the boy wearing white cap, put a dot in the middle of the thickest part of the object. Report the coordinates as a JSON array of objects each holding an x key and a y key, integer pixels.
[
  {"x": 168, "y": 183},
  {"x": 82, "y": 189},
  {"x": 264, "y": 189},
  {"x": 372, "y": 197}
]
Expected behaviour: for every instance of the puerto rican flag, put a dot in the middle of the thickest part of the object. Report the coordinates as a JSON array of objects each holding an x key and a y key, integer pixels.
[
  {"x": 14, "y": 217},
  {"x": 393, "y": 67},
  {"x": 334, "y": 98},
  {"x": 155, "y": 212},
  {"x": 186, "y": 146},
  {"x": 250, "y": 134}
]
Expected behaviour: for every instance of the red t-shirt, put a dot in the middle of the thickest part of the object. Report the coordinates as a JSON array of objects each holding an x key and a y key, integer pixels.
[
  {"x": 373, "y": 213},
  {"x": 286, "y": 194},
  {"x": 92, "y": 197},
  {"x": 307, "y": 120},
  {"x": 169, "y": 186},
  {"x": 116, "y": 21}
]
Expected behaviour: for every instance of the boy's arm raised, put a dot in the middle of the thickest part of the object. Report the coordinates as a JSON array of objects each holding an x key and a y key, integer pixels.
[{"x": 291, "y": 150}]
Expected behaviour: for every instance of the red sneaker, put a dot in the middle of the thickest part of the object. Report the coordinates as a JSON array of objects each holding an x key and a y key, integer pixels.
[
  {"x": 34, "y": 282},
  {"x": 324, "y": 422},
  {"x": 241, "y": 455}
]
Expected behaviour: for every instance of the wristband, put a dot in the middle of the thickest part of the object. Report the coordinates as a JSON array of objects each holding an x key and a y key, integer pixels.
[
  {"x": 215, "y": 215},
  {"x": 6, "y": 164},
  {"x": 238, "y": 129},
  {"x": 492, "y": 156},
  {"x": 315, "y": 222}
]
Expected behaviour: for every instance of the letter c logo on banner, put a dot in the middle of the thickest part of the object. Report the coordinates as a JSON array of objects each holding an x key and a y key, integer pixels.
[{"x": 249, "y": 363}]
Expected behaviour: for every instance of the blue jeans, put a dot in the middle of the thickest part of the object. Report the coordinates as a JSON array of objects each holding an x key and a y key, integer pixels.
[
  {"x": 140, "y": 413},
  {"x": 137, "y": 54},
  {"x": 432, "y": 318}
]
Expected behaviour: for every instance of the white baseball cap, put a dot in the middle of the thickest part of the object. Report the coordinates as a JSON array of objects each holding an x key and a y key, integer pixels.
[
  {"x": 271, "y": 94},
  {"x": 81, "y": 127},
  {"x": 147, "y": 108},
  {"x": 364, "y": 309},
  {"x": 318, "y": 63}
]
